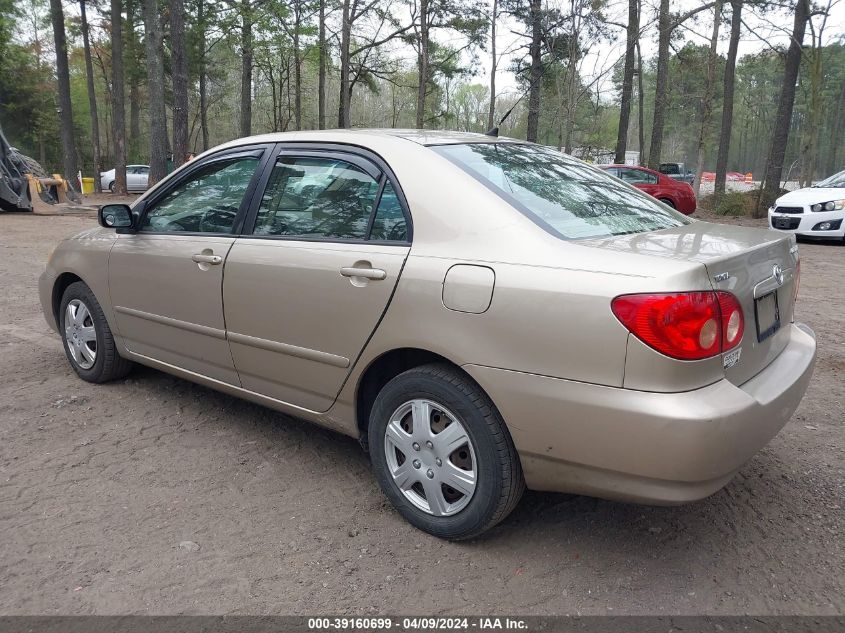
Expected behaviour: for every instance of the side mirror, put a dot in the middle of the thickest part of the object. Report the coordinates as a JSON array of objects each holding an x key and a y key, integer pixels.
[{"x": 116, "y": 216}]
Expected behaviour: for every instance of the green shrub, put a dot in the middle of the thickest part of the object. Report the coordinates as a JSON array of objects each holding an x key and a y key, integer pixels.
[{"x": 735, "y": 204}]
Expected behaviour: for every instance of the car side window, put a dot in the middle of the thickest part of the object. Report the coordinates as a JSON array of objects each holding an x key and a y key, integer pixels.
[
  {"x": 389, "y": 223},
  {"x": 315, "y": 197},
  {"x": 635, "y": 176},
  {"x": 207, "y": 202}
]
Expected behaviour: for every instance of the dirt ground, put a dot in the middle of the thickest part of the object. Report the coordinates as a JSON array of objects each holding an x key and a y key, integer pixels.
[{"x": 153, "y": 495}]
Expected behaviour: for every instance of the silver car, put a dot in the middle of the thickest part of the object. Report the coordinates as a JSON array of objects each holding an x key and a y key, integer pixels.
[
  {"x": 137, "y": 178},
  {"x": 483, "y": 314}
]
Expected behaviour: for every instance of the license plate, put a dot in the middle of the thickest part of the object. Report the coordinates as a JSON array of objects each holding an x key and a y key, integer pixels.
[
  {"x": 780, "y": 222},
  {"x": 767, "y": 315}
]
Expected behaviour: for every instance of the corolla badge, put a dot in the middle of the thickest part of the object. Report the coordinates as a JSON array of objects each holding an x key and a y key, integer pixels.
[{"x": 777, "y": 274}]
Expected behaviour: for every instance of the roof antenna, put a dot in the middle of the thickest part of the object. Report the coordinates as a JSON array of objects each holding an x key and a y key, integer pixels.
[{"x": 494, "y": 131}]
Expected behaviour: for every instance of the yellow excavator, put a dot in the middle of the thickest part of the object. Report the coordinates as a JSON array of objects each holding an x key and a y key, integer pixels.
[{"x": 25, "y": 186}]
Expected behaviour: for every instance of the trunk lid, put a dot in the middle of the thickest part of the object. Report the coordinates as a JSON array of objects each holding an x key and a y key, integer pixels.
[{"x": 740, "y": 260}]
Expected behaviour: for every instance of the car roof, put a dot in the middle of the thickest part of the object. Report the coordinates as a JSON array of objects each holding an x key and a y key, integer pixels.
[{"x": 365, "y": 136}]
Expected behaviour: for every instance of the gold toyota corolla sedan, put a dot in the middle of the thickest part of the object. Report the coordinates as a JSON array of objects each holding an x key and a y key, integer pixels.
[{"x": 484, "y": 314}]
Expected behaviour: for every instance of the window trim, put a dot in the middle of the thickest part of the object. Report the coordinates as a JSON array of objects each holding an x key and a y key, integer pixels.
[
  {"x": 370, "y": 162},
  {"x": 266, "y": 149}
]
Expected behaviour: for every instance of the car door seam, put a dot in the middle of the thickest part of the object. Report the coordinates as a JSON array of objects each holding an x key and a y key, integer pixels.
[
  {"x": 223, "y": 310},
  {"x": 354, "y": 364}
]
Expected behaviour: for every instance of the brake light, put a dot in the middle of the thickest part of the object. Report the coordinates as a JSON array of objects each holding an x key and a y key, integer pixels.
[
  {"x": 733, "y": 323},
  {"x": 683, "y": 325}
]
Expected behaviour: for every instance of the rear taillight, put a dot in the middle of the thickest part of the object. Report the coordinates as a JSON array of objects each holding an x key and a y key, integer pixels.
[
  {"x": 683, "y": 325},
  {"x": 733, "y": 323}
]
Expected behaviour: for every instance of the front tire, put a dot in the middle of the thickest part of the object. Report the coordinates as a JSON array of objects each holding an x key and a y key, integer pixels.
[
  {"x": 442, "y": 453},
  {"x": 88, "y": 341},
  {"x": 111, "y": 186}
]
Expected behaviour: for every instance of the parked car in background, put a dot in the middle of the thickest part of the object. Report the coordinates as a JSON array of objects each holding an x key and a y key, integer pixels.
[
  {"x": 817, "y": 211},
  {"x": 484, "y": 314},
  {"x": 678, "y": 195},
  {"x": 677, "y": 171},
  {"x": 137, "y": 178}
]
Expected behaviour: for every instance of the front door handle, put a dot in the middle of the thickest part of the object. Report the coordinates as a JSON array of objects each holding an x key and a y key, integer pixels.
[
  {"x": 202, "y": 258},
  {"x": 366, "y": 273}
]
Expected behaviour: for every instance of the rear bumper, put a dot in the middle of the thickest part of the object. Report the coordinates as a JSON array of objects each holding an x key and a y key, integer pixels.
[{"x": 642, "y": 446}]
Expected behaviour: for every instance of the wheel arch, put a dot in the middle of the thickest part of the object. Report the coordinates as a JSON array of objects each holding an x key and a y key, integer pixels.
[
  {"x": 59, "y": 286},
  {"x": 382, "y": 370}
]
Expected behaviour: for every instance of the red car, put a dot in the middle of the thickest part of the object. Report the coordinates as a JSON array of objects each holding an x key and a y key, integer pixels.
[{"x": 678, "y": 195}]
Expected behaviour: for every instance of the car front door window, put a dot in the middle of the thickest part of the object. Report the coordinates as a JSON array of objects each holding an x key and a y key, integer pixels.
[{"x": 207, "y": 202}]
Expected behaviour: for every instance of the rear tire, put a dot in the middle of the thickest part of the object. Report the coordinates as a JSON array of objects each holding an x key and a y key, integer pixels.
[
  {"x": 667, "y": 202},
  {"x": 89, "y": 345},
  {"x": 477, "y": 456},
  {"x": 111, "y": 186}
]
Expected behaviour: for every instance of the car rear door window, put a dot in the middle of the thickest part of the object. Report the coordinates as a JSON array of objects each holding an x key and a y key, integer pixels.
[
  {"x": 207, "y": 201},
  {"x": 315, "y": 197}
]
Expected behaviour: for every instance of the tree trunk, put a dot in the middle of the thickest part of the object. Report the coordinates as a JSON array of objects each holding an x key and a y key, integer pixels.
[
  {"x": 134, "y": 77},
  {"x": 662, "y": 85},
  {"x": 838, "y": 138},
  {"x": 810, "y": 150},
  {"x": 780, "y": 135},
  {"x": 118, "y": 111},
  {"x": 203, "y": 77},
  {"x": 65, "y": 108},
  {"x": 422, "y": 64},
  {"x": 246, "y": 70},
  {"x": 155, "y": 83},
  {"x": 180, "y": 82},
  {"x": 321, "y": 71},
  {"x": 92, "y": 98},
  {"x": 707, "y": 101},
  {"x": 134, "y": 120},
  {"x": 343, "y": 118},
  {"x": 491, "y": 113},
  {"x": 641, "y": 108},
  {"x": 728, "y": 98},
  {"x": 297, "y": 70},
  {"x": 632, "y": 37},
  {"x": 534, "y": 50},
  {"x": 572, "y": 86}
]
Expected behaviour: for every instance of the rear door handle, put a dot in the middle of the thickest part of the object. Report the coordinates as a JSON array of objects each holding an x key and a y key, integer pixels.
[
  {"x": 366, "y": 273},
  {"x": 207, "y": 259}
]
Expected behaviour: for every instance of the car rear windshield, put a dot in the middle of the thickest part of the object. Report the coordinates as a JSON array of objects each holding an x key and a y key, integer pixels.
[{"x": 565, "y": 196}]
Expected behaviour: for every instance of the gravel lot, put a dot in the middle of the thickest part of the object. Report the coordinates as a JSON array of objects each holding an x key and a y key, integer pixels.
[{"x": 156, "y": 496}]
